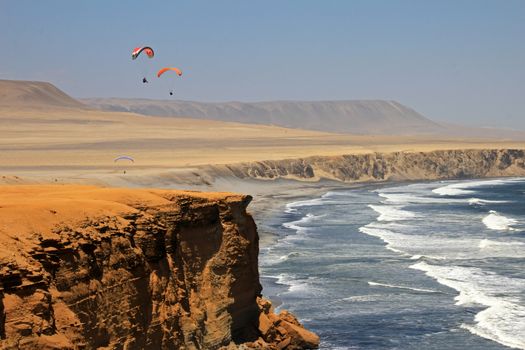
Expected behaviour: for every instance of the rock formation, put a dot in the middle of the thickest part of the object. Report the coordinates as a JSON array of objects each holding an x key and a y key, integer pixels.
[
  {"x": 92, "y": 268},
  {"x": 450, "y": 164}
]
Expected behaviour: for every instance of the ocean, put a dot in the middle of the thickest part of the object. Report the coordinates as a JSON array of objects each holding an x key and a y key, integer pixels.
[{"x": 435, "y": 265}]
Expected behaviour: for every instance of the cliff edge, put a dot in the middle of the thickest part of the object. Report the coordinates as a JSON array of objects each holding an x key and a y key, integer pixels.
[
  {"x": 96, "y": 268},
  {"x": 394, "y": 166}
]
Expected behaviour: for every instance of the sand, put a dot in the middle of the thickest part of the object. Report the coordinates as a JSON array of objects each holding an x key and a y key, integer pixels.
[
  {"x": 72, "y": 142},
  {"x": 26, "y": 210},
  {"x": 47, "y": 136}
]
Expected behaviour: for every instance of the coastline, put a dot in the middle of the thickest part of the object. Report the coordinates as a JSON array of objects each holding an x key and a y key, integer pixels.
[
  {"x": 271, "y": 198},
  {"x": 273, "y": 185}
]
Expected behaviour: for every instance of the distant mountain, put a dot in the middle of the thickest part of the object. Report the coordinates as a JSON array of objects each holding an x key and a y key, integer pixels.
[
  {"x": 35, "y": 94},
  {"x": 358, "y": 117},
  {"x": 371, "y": 117}
]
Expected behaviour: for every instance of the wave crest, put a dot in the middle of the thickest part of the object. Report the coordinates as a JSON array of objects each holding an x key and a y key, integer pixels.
[{"x": 498, "y": 222}]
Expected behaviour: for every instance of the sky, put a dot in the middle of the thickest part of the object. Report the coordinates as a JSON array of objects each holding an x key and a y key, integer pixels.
[{"x": 461, "y": 61}]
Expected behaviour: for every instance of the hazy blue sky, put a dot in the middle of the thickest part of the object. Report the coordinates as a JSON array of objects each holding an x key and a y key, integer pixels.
[{"x": 458, "y": 60}]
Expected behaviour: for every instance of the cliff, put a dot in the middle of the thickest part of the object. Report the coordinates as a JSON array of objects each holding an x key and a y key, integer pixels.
[
  {"x": 97, "y": 268},
  {"x": 449, "y": 164}
]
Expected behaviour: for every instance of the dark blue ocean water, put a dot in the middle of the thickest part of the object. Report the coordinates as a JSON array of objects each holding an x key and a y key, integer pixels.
[{"x": 416, "y": 266}]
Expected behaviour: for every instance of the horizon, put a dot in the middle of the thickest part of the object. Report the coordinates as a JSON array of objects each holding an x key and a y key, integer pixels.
[{"x": 449, "y": 61}]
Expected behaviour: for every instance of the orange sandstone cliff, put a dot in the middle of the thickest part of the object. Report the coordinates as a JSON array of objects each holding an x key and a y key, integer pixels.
[{"x": 96, "y": 268}]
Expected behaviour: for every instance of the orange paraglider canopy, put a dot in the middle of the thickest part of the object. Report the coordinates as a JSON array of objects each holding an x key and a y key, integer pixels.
[{"x": 163, "y": 70}]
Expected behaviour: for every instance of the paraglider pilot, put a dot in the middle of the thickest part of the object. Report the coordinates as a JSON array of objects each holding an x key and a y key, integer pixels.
[{"x": 144, "y": 80}]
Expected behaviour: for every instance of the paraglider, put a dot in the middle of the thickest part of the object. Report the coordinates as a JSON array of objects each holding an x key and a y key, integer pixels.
[
  {"x": 122, "y": 158},
  {"x": 150, "y": 53},
  {"x": 138, "y": 50},
  {"x": 166, "y": 69},
  {"x": 135, "y": 54}
]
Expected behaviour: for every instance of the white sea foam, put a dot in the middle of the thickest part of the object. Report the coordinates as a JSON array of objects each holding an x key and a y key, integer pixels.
[
  {"x": 479, "y": 201},
  {"x": 406, "y": 198},
  {"x": 496, "y": 221},
  {"x": 273, "y": 256},
  {"x": 418, "y": 193},
  {"x": 296, "y": 285},
  {"x": 487, "y": 243},
  {"x": 288, "y": 256},
  {"x": 423, "y": 290},
  {"x": 331, "y": 194},
  {"x": 387, "y": 236},
  {"x": 363, "y": 298},
  {"x": 304, "y": 220},
  {"x": 502, "y": 320},
  {"x": 270, "y": 258},
  {"x": 300, "y": 227},
  {"x": 286, "y": 279},
  {"x": 465, "y": 188},
  {"x": 452, "y": 190},
  {"x": 292, "y": 226},
  {"x": 440, "y": 247},
  {"x": 415, "y": 246},
  {"x": 291, "y": 207},
  {"x": 392, "y": 213}
]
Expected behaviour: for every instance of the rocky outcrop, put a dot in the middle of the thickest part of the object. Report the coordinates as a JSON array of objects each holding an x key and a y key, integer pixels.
[
  {"x": 452, "y": 164},
  {"x": 133, "y": 269},
  {"x": 282, "y": 331}
]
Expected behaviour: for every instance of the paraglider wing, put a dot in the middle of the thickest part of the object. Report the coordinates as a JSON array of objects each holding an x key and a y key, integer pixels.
[
  {"x": 138, "y": 50},
  {"x": 119, "y": 158},
  {"x": 164, "y": 70}
]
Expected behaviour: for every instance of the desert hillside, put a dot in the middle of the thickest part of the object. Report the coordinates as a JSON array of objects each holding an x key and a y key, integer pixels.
[
  {"x": 36, "y": 94},
  {"x": 359, "y": 117}
]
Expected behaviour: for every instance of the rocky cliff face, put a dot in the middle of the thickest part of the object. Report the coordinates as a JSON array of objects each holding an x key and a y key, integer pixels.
[
  {"x": 133, "y": 269},
  {"x": 390, "y": 166}
]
